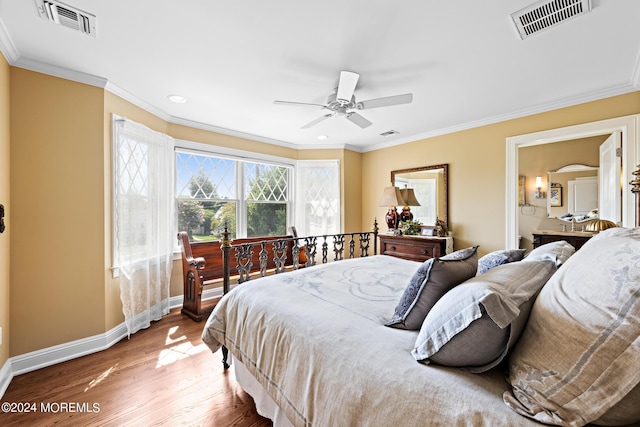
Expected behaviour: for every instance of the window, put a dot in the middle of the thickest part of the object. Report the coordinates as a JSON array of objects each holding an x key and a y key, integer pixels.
[
  {"x": 266, "y": 189},
  {"x": 251, "y": 198},
  {"x": 318, "y": 197},
  {"x": 141, "y": 185},
  {"x": 250, "y": 193}
]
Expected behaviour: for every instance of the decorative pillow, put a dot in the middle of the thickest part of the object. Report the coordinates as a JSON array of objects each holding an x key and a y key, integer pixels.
[
  {"x": 559, "y": 251},
  {"x": 475, "y": 324},
  {"x": 579, "y": 356},
  {"x": 427, "y": 285},
  {"x": 496, "y": 258}
]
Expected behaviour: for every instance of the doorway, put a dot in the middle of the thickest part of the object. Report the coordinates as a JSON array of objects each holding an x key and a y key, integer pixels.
[{"x": 628, "y": 126}]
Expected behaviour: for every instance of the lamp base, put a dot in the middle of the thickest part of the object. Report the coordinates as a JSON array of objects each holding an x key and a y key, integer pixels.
[
  {"x": 406, "y": 214},
  {"x": 392, "y": 219}
]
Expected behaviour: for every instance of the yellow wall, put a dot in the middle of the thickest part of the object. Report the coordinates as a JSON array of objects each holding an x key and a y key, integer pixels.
[
  {"x": 57, "y": 203},
  {"x": 4, "y": 199},
  {"x": 476, "y": 159}
]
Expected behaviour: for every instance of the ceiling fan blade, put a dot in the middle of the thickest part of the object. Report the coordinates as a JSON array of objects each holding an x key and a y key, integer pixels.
[
  {"x": 347, "y": 85},
  {"x": 296, "y": 104},
  {"x": 385, "y": 102},
  {"x": 316, "y": 121},
  {"x": 359, "y": 120}
]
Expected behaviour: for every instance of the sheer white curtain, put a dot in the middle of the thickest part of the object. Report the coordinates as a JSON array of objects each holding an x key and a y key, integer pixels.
[
  {"x": 143, "y": 221},
  {"x": 317, "y": 202}
]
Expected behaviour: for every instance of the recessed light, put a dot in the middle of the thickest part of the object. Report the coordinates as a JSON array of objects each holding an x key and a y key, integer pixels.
[
  {"x": 178, "y": 99},
  {"x": 322, "y": 137}
]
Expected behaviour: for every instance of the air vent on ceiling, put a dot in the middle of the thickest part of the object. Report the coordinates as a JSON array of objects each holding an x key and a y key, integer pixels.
[
  {"x": 547, "y": 13},
  {"x": 389, "y": 133},
  {"x": 68, "y": 16}
]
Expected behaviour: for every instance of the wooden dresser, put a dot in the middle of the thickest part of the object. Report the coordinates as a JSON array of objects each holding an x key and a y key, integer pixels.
[
  {"x": 574, "y": 238},
  {"x": 415, "y": 248}
]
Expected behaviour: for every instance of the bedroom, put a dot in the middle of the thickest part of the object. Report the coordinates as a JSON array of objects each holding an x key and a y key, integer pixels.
[{"x": 73, "y": 291}]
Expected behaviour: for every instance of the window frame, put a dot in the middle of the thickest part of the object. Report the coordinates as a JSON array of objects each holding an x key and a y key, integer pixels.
[{"x": 241, "y": 157}]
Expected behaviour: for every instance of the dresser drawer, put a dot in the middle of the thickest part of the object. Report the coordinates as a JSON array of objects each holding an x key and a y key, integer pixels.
[
  {"x": 412, "y": 247},
  {"x": 405, "y": 250}
]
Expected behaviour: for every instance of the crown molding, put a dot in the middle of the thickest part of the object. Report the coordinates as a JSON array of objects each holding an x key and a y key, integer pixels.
[
  {"x": 230, "y": 132},
  {"x": 61, "y": 72},
  {"x": 537, "y": 109},
  {"x": 137, "y": 101}
]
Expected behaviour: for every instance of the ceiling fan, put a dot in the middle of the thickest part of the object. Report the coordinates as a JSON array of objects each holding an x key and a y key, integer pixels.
[{"x": 342, "y": 101}]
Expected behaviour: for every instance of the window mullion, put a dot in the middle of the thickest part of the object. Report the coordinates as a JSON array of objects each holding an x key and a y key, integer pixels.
[
  {"x": 290, "y": 192},
  {"x": 241, "y": 225}
]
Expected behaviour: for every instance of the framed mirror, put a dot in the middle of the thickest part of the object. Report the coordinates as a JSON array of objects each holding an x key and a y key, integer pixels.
[{"x": 430, "y": 186}]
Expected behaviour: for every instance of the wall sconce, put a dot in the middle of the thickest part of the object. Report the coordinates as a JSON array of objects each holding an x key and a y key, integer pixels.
[
  {"x": 539, "y": 194},
  {"x": 409, "y": 200},
  {"x": 391, "y": 197}
]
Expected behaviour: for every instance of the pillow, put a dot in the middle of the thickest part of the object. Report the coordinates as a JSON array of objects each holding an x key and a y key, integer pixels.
[
  {"x": 496, "y": 258},
  {"x": 432, "y": 280},
  {"x": 559, "y": 251},
  {"x": 475, "y": 324},
  {"x": 579, "y": 356}
]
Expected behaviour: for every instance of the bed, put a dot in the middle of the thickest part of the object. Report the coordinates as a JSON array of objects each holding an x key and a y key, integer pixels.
[
  {"x": 315, "y": 342},
  {"x": 315, "y": 346}
]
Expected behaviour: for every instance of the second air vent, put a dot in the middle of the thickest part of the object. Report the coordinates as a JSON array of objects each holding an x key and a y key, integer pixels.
[{"x": 547, "y": 13}]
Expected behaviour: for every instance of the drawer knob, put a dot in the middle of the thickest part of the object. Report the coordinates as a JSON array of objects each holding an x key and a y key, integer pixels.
[
  {"x": 424, "y": 252},
  {"x": 393, "y": 248}
]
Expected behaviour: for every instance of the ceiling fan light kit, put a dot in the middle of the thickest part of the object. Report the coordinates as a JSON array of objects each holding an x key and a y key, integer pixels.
[{"x": 342, "y": 101}]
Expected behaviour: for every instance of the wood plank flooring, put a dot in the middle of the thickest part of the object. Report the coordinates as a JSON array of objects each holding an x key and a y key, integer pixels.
[{"x": 162, "y": 376}]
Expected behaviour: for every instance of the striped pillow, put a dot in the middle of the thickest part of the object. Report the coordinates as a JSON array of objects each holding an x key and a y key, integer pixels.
[{"x": 579, "y": 356}]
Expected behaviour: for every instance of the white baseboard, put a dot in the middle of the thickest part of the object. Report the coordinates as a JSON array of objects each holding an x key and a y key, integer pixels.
[
  {"x": 6, "y": 375},
  {"x": 62, "y": 352},
  {"x": 38, "y": 359}
]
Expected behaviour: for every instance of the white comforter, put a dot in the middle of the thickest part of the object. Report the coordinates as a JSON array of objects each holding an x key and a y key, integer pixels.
[{"x": 316, "y": 341}]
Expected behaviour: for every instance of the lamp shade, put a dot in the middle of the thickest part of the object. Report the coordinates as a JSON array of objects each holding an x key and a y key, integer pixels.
[
  {"x": 409, "y": 197},
  {"x": 391, "y": 196},
  {"x": 538, "y": 181}
]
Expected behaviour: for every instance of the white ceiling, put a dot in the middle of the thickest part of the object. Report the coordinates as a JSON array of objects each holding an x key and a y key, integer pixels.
[{"x": 462, "y": 60}]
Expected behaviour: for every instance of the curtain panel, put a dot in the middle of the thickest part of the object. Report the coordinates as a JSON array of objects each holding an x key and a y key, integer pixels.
[{"x": 143, "y": 220}]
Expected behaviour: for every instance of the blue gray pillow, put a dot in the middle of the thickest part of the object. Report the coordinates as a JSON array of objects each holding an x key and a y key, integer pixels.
[{"x": 429, "y": 283}]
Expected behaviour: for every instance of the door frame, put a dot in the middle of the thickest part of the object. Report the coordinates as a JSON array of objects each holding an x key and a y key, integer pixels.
[{"x": 628, "y": 126}]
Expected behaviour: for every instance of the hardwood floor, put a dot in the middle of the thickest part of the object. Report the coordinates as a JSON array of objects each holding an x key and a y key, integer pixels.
[{"x": 162, "y": 376}]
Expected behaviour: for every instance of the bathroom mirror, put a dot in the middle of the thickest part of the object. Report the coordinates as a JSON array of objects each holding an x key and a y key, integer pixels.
[
  {"x": 430, "y": 185},
  {"x": 573, "y": 192}
]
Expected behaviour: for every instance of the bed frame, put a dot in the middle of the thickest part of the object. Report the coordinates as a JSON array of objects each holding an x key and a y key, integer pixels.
[{"x": 202, "y": 266}]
